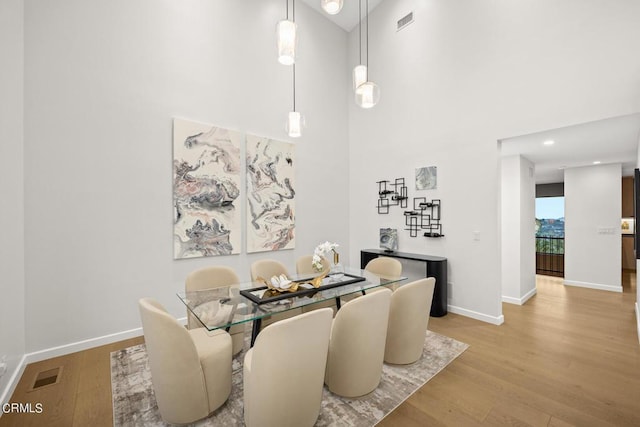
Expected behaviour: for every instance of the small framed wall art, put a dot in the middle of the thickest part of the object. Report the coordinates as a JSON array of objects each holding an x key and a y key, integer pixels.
[
  {"x": 389, "y": 239},
  {"x": 427, "y": 178}
]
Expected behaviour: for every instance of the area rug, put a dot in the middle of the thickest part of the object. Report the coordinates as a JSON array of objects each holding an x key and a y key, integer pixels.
[{"x": 134, "y": 403}]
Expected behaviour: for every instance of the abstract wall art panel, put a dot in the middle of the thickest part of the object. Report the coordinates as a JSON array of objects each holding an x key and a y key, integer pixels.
[
  {"x": 270, "y": 194},
  {"x": 206, "y": 190},
  {"x": 427, "y": 178}
]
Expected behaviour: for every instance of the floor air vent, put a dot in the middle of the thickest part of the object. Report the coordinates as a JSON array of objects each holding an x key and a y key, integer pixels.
[{"x": 45, "y": 378}]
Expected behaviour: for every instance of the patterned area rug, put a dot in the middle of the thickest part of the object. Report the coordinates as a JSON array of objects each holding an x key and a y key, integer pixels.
[{"x": 134, "y": 403}]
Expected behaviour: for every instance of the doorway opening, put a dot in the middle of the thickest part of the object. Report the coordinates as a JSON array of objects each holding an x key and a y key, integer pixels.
[{"x": 550, "y": 236}]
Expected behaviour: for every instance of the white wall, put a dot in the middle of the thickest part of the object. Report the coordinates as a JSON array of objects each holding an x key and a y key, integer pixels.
[
  {"x": 12, "y": 284},
  {"x": 462, "y": 76},
  {"x": 517, "y": 231},
  {"x": 593, "y": 208},
  {"x": 527, "y": 230},
  {"x": 103, "y": 81}
]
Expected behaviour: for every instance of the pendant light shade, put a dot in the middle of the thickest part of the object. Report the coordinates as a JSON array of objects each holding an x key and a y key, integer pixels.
[
  {"x": 359, "y": 75},
  {"x": 295, "y": 123},
  {"x": 287, "y": 36},
  {"x": 367, "y": 95},
  {"x": 332, "y": 7}
]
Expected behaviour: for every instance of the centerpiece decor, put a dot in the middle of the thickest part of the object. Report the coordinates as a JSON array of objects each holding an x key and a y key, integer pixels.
[
  {"x": 281, "y": 284},
  {"x": 337, "y": 270}
]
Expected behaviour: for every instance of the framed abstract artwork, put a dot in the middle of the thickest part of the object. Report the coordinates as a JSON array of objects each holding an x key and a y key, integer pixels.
[
  {"x": 427, "y": 178},
  {"x": 270, "y": 194},
  {"x": 206, "y": 190}
]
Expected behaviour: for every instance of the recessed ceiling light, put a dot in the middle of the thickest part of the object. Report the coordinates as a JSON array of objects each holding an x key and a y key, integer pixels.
[
  {"x": 597, "y": 162},
  {"x": 549, "y": 142}
]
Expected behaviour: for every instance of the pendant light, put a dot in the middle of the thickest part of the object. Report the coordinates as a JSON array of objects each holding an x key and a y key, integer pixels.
[
  {"x": 360, "y": 71},
  {"x": 332, "y": 7},
  {"x": 295, "y": 119},
  {"x": 367, "y": 92},
  {"x": 286, "y": 32}
]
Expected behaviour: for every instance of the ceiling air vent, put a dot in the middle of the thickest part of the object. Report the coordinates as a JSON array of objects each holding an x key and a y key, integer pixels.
[{"x": 405, "y": 20}]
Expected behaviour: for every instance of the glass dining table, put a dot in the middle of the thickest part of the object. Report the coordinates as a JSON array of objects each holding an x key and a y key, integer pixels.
[{"x": 225, "y": 306}]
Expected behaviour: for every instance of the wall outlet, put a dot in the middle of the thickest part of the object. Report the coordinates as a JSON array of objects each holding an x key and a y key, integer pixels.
[{"x": 606, "y": 230}]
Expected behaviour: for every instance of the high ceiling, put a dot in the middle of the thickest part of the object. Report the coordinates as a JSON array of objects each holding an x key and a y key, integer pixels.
[
  {"x": 348, "y": 16},
  {"x": 613, "y": 140}
]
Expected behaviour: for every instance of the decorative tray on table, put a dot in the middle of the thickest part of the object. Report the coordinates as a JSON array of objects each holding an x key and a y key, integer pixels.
[{"x": 263, "y": 295}]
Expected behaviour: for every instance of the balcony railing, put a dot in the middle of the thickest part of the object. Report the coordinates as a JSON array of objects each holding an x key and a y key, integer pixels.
[{"x": 550, "y": 256}]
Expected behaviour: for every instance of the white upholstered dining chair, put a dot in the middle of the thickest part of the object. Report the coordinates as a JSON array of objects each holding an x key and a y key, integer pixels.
[
  {"x": 356, "y": 347},
  {"x": 408, "y": 321},
  {"x": 214, "y": 277},
  {"x": 284, "y": 372},
  {"x": 190, "y": 370}
]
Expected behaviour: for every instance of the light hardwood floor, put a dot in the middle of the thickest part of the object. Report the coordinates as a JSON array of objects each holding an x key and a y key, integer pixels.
[{"x": 569, "y": 356}]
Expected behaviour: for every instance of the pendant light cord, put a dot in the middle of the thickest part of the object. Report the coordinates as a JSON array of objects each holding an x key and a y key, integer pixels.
[
  {"x": 293, "y": 4},
  {"x": 367, "y": 40},
  {"x": 360, "y": 29}
]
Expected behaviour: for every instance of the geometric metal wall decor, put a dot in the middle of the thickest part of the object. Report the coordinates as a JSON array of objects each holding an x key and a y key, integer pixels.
[
  {"x": 206, "y": 190},
  {"x": 271, "y": 209},
  {"x": 424, "y": 216},
  {"x": 391, "y": 194}
]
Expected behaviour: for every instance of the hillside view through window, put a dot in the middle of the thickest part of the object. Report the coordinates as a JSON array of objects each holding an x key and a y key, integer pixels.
[{"x": 550, "y": 225}]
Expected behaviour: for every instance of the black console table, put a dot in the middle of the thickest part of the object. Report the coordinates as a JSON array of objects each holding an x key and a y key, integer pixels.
[{"x": 436, "y": 266}]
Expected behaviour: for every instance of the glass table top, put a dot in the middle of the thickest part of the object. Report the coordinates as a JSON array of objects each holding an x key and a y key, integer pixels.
[{"x": 225, "y": 306}]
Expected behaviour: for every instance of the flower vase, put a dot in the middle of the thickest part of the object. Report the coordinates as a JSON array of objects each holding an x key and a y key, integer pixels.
[{"x": 337, "y": 270}]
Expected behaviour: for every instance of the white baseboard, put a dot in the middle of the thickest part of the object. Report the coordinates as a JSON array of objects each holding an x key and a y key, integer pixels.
[
  {"x": 638, "y": 320},
  {"x": 499, "y": 320},
  {"x": 62, "y": 350},
  {"x": 610, "y": 288},
  {"x": 13, "y": 382},
  {"x": 522, "y": 300}
]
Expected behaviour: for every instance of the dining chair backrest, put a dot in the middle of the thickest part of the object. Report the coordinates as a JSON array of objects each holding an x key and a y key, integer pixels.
[
  {"x": 356, "y": 347},
  {"x": 284, "y": 371},
  {"x": 408, "y": 321},
  {"x": 214, "y": 277},
  {"x": 211, "y": 277},
  {"x": 304, "y": 265},
  {"x": 207, "y": 278},
  {"x": 267, "y": 268},
  {"x": 384, "y": 267}
]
